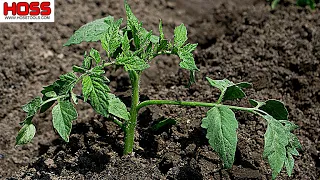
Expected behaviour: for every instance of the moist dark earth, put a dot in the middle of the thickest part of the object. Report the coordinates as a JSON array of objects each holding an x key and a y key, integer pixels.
[{"x": 278, "y": 51}]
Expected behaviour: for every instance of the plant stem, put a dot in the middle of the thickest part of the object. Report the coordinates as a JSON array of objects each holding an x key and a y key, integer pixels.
[
  {"x": 130, "y": 126},
  {"x": 190, "y": 103},
  {"x": 221, "y": 97},
  {"x": 53, "y": 99},
  {"x": 119, "y": 123}
]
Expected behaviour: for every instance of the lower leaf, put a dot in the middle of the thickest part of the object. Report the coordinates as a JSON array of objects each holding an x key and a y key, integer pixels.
[
  {"x": 25, "y": 134},
  {"x": 276, "y": 140},
  {"x": 117, "y": 108},
  {"x": 221, "y": 126},
  {"x": 62, "y": 116}
]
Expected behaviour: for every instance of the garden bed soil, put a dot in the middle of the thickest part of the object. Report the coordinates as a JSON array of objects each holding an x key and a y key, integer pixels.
[{"x": 278, "y": 51}]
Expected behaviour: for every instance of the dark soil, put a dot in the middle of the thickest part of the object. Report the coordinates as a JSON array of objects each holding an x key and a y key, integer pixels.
[{"x": 278, "y": 51}]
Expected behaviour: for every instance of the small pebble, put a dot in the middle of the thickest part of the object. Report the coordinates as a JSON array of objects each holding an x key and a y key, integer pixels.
[{"x": 1, "y": 156}]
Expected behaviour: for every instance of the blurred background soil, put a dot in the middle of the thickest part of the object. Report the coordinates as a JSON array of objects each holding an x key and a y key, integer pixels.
[{"x": 278, "y": 51}]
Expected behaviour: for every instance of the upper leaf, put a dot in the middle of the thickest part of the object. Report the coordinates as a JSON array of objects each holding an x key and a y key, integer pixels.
[
  {"x": 65, "y": 84},
  {"x": 62, "y": 116},
  {"x": 117, "y": 107},
  {"x": 187, "y": 61},
  {"x": 220, "y": 84},
  {"x": 180, "y": 36},
  {"x": 221, "y": 126},
  {"x": 134, "y": 25},
  {"x": 112, "y": 39},
  {"x": 163, "y": 43},
  {"x": 95, "y": 55},
  {"x": 95, "y": 87},
  {"x": 126, "y": 45},
  {"x": 132, "y": 20},
  {"x": 87, "y": 61},
  {"x": 92, "y": 31},
  {"x": 26, "y": 134},
  {"x": 229, "y": 90}
]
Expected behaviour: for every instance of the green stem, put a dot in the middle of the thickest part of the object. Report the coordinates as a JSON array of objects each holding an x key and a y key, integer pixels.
[
  {"x": 118, "y": 122},
  {"x": 190, "y": 103},
  {"x": 131, "y": 124},
  {"x": 221, "y": 97},
  {"x": 53, "y": 99}
]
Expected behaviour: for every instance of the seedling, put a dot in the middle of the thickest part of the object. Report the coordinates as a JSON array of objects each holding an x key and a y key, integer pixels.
[
  {"x": 133, "y": 48},
  {"x": 302, "y": 3}
]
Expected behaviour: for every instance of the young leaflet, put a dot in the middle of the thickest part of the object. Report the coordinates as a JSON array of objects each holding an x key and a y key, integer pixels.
[{"x": 133, "y": 47}]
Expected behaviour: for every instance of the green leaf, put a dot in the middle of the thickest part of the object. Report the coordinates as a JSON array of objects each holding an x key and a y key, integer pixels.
[
  {"x": 220, "y": 84},
  {"x": 145, "y": 39},
  {"x": 87, "y": 87},
  {"x": 221, "y": 126},
  {"x": 289, "y": 163},
  {"x": 132, "y": 20},
  {"x": 276, "y": 140},
  {"x": 163, "y": 45},
  {"x": 47, "y": 105},
  {"x": 161, "y": 31},
  {"x": 189, "y": 48},
  {"x": 95, "y": 55},
  {"x": 154, "y": 39},
  {"x": 98, "y": 70},
  {"x": 33, "y": 106},
  {"x": 26, "y": 134},
  {"x": 274, "y": 4},
  {"x": 289, "y": 125},
  {"x": 62, "y": 116},
  {"x": 310, "y": 3},
  {"x": 134, "y": 25},
  {"x": 244, "y": 85},
  {"x": 180, "y": 36},
  {"x": 255, "y": 103},
  {"x": 294, "y": 142},
  {"x": 233, "y": 92},
  {"x": 126, "y": 45},
  {"x": 276, "y": 109},
  {"x": 65, "y": 84},
  {"x": 230, "y": 90},
  {"x": 87, "y": 61},
  {"x": 31, "y": 109},
  {"x": 95, "y": 87},
  {"x": 51, "y": 94},
  {"x": 78, "y": 69},
  {"x": 90, "y": 32},
  {"x": 187, "y": 61},
  {"x": 112, "y": 39},
  {"x": 117, "y": 107},
  {"x": 132, "y": 63}
]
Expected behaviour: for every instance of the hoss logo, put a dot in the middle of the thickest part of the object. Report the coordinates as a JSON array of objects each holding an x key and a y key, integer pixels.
[{"x": 25, "y": 8}]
